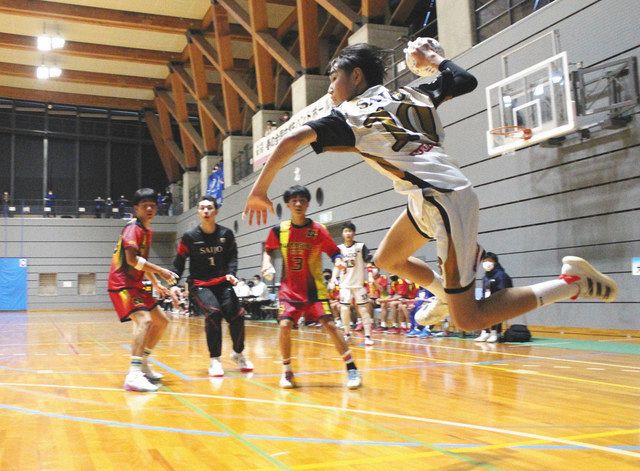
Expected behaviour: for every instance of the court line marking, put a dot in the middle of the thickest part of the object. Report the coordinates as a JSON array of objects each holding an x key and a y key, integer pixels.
[
  {"x": 533, "y": 373},
  {"x": 218, "y": 423},
  {"x": 299, "y": 398},
  {"x": 391, "y": 415},
  {"x": 493, "y": 352}
]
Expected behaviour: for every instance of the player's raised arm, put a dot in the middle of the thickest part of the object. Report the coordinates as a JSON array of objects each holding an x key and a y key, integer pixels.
[{"x": 258, "y": 203}]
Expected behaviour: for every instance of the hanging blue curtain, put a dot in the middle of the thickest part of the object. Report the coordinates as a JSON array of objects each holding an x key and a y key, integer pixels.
[
  {"x": 13, "y": 284},
  {"x": 215, "y": 185}
]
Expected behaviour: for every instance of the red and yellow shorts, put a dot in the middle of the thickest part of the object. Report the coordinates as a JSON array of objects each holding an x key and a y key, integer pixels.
[
  {"x": 129, "y": 300},
  {"x": 312, "y": 311}
]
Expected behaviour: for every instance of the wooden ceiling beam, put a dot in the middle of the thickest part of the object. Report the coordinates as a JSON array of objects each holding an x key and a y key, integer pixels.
[
  {"x": 201, "y": 89},
  {"x": 225, "y": 59},
  {"x": 255, "y": 22},
  {"x": 232, "y": 76},
  {"x": 258, "y": 21},
  {"x": 75, "y": 76},
  {"x": 167, "y": 132},
  {"x": 308, "y": 35},
  {"x": 74, "y": 99},
  {"x": 342, "y": 12},
  {"x": 186, "y": 138},
  {"x": 45, "y": 10},
  {"x": 169, "y": 164},
  {"x": 401, "y": 14},
  {"x": 94, "y": 51},
  {"x": 373, "y": 9}
]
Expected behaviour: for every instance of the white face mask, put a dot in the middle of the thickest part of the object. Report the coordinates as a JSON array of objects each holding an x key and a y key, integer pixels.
[{"x": 488, "y": 266}]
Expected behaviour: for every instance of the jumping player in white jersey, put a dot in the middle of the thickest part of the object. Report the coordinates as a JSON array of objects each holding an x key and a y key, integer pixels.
[
  {"x": 399, "y": 134},
  {"x": 355, "y": 256}
]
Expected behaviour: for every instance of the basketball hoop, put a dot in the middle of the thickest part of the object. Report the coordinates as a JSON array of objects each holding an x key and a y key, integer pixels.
[
  {"x": 512, "y": 132},
  {"x": 509, "y": 135}
]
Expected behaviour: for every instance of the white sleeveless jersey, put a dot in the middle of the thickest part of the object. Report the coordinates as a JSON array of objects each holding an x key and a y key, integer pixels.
[
  {"x": 400, "y": 135},
  {"x": 354, "y": 257}
]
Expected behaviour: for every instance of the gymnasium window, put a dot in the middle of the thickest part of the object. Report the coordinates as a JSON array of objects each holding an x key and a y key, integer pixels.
[
  {"x": 492, "y": 16},
  {"x": 86, "y": 284},
  {"x": 48, "y": 284}
]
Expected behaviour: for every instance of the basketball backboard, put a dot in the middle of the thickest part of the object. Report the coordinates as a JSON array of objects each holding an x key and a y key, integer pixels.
[{"x": 537, "y": 98}]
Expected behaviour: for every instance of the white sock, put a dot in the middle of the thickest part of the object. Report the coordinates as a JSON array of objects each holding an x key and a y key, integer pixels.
[
  {"x": 437, "y": 286},
  {"x": 549, "y": 292}
]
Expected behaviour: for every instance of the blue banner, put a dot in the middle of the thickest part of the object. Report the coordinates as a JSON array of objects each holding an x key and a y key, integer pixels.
[
  {"x": 13, "y": 284},
  {"x": 215, "y": 185}
]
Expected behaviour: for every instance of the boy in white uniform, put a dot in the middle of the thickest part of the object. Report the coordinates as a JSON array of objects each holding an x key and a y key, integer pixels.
[
  {"x": 399, "y": 134},
  {"x": 356, "y": 256}
]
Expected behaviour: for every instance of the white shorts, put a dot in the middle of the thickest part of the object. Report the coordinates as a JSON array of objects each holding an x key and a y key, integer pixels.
[
  {"x": 360, "y": 295},
  {"x": 452, "y": 220}
]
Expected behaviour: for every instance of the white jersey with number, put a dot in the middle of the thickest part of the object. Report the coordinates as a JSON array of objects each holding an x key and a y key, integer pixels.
[{"x": 355, "y": 257}]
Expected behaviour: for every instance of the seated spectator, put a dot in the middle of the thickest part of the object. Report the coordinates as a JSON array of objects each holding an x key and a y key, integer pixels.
[
  {"x": 98, "y": 208},
  {"x": 50, "y": 202},
  {"x": 108, "y": 208},
  {"x": 6, "y": 202},
  {"x": 271, "y": 126},
  {"x": 122, "y": 204},
  {"x": 260, "y": 291}
]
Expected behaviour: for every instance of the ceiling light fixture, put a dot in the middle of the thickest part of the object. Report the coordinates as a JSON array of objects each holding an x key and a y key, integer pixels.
[
  {"x": 44, "y": 42},
  {"x": 42, "y": 72},
  {"x": 57, "y": 42}
]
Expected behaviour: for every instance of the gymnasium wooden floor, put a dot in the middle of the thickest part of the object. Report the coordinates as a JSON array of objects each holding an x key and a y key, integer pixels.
[{"x": 443, "y": 403}]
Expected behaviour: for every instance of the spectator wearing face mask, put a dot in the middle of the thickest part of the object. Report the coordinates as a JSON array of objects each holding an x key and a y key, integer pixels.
[{"x": 495, "y": 279}]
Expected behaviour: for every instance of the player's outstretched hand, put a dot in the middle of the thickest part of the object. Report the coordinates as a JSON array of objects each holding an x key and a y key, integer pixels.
[
  {"x": 162, "y": 291},
  {"x": 232, "y": 279},
  {"x": 259, "y": 206},
  {"x": 168, "y": 276},
  {"x": 175, "y": 294}
]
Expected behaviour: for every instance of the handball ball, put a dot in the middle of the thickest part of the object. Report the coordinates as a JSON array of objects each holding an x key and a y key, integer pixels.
[{"x": 428, "y": 70}]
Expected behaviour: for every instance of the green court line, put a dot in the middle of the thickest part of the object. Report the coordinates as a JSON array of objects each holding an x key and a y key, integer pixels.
[
  {"x": 573, "y": 344},
  {"x": 259, "y": 451},
  {"x": 297, "y": 397}
]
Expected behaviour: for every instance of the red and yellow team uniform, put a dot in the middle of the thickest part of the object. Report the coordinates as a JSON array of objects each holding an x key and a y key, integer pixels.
[
  {"x": 302, "y": 290},
  {"x": 125, "y": 286}
]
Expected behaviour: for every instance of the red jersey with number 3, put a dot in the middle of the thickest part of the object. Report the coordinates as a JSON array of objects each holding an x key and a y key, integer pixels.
[
  {"x": 302, "y": 248},
  {"x": 121, "y": 274}
]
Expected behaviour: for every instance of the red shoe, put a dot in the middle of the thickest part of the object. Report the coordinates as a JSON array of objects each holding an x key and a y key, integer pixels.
[
  {"x": 359, "y": 327},
  {"x": 393, "y": 330},
  {"x": 380, "y": 329}
]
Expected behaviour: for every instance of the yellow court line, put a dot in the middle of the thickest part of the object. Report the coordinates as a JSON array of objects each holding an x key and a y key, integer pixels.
[
  {"x": 411, "y": 456},
  {"x": 496, "y": 352},
  {"x": 490, "y": 367},
  {"x": 392, "y": 415}
]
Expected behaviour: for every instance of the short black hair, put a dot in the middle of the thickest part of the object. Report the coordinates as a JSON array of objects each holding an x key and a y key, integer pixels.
[
  {"x": 490, "y": 255},
  {"x": 211, "y": 199},
  {"x": 296, "y": 190},
  {"x": 144, "y": 194},
  {"x": 327, "y": 270},
  {"x": 367, "y": 57},
  {"x": 348, "y": 225}
]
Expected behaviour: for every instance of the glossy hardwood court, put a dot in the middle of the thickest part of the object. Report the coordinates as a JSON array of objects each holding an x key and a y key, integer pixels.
[{"x": 440, "y": 403}]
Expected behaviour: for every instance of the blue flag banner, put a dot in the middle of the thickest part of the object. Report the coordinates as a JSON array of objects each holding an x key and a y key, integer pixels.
[
  {"x": 215, "y": 184},
  {"x": 13, "y": 284}
]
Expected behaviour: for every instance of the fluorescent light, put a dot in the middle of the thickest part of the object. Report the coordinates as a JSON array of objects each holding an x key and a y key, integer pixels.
[
  {"x": 539, "y": 90},
  {"x": 55, "y": 72},
  {"x": 44, "y": 42},
  {"x": 57, "y": 42},
  {"x": 42, "y": 72}
]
